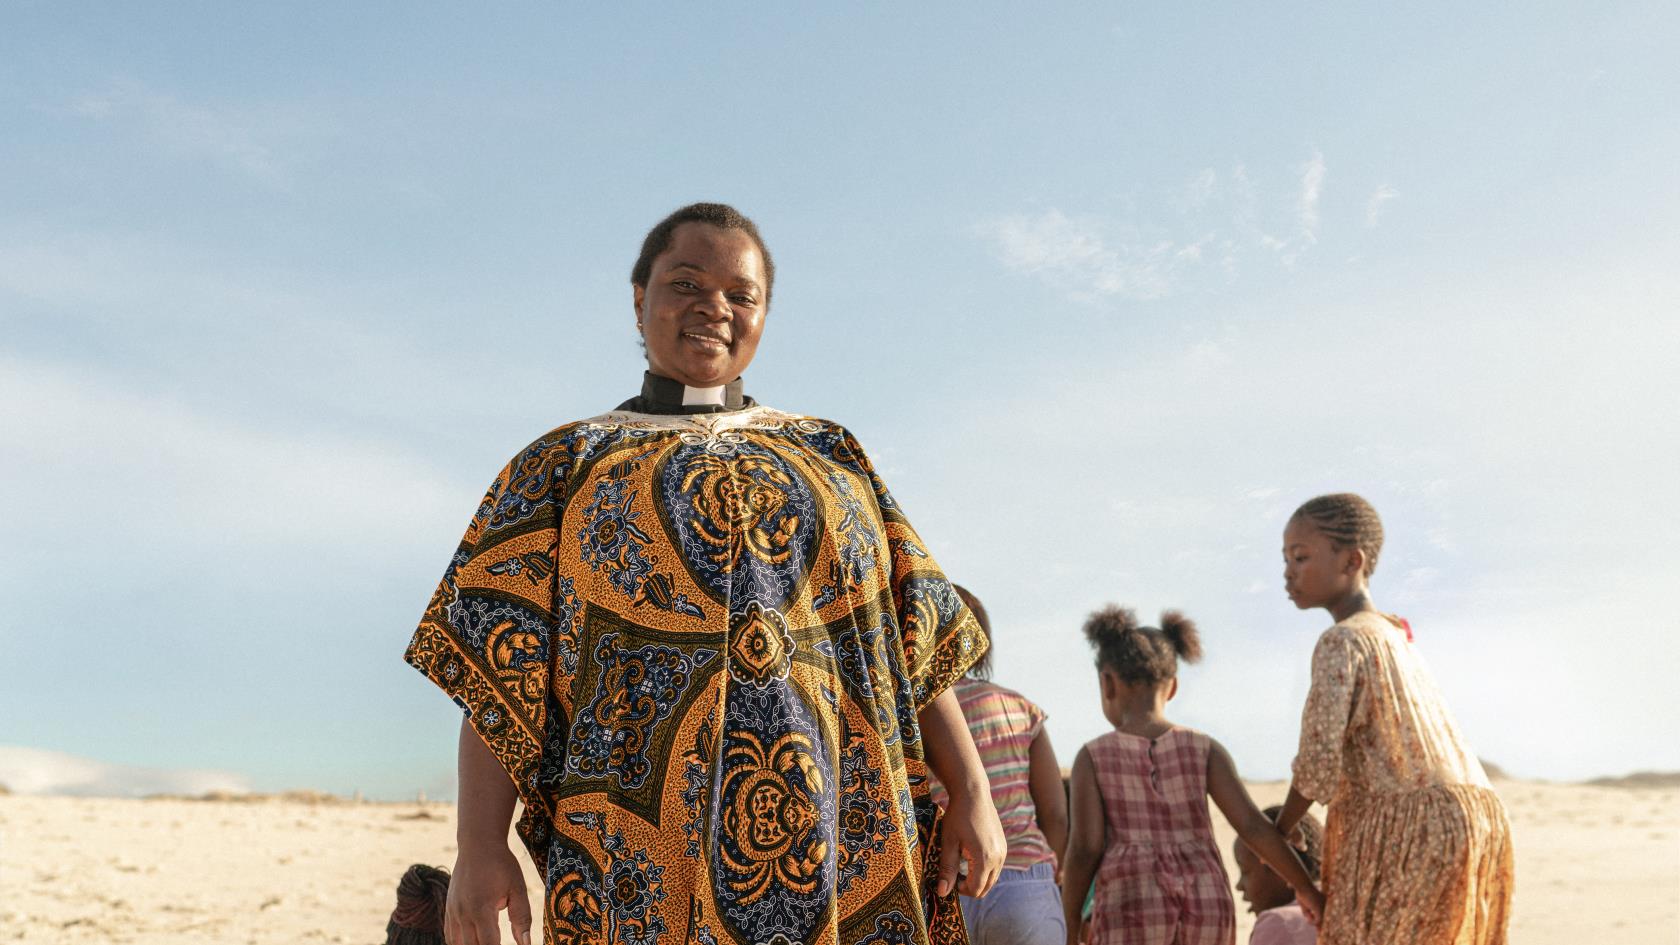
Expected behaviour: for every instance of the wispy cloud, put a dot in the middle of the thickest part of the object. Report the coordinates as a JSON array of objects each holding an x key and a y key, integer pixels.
[
  {"x": 1075, "y": 255},
  {"x": 1379, "y": 199},
  {"x": 36, "y": 771},
  {"x": 1312, "y": 186},
  {"x": 257, "y": 141},
  {"x": 1208, "y": 222}
]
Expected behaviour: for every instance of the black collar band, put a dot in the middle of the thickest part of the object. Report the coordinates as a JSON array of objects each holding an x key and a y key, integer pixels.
[{"x": 663, "y": 395}]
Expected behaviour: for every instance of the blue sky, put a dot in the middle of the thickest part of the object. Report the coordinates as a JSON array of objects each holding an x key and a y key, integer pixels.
[{"x": 1106, "y": 290}]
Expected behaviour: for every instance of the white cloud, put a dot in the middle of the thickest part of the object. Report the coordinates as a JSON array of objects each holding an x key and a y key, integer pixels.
[
  {"x": 255, "y": 141},
  {"x": 183, "y": 478},
  {"x": 1312, "y": 186},
  {"x": 1379, "y": 199},
  {"x": 1075, "y": 256},
  {"x": 36, "y": 771}
]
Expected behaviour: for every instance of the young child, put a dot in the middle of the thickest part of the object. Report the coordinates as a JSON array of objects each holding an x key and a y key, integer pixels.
[
  {"x": 1278, "y": 918},
  {"x": 1025, "y": 907},
  {"x": 1140, "y": 813},
  {"x": 1417, "y": 847}
]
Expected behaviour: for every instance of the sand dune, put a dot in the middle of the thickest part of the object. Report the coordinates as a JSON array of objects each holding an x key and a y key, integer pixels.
[{"x": 1593, "y": 864}]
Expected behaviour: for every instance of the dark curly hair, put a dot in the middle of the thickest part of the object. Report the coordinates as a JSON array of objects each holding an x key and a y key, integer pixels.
[
  {"x": 720, "y": 215},
  {"x": 1348, "y": 521},
  {"x": 982, "y": 668},
  {"x": 1140, "y": 654}
]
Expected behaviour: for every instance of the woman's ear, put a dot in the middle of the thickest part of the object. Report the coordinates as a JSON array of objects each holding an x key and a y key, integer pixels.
[{"x": 637, "y": 293}]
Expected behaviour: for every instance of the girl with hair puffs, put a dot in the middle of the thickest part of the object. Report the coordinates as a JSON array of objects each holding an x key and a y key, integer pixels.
[
  {"x": 1139, "y": 808},
  {"x": 1417, "y": 848}
]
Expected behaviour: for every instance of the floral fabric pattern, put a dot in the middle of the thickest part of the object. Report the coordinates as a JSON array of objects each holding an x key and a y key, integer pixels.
[{"x": 1417, "y": 845}]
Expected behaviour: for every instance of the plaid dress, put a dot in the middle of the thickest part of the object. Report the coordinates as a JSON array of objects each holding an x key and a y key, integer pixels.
[{"x": 1161, "y": 879}]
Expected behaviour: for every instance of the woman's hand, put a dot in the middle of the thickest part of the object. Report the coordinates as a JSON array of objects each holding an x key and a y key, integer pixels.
[
  {"x": 486, "y": 881},
  {"x": 973, "y": 834}
]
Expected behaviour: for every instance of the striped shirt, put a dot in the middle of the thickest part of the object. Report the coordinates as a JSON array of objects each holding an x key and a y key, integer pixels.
[{"x": 1004, "y": 724}]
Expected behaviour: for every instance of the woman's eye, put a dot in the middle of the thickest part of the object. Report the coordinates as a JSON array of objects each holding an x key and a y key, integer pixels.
[{"x": 742, "y": 299}]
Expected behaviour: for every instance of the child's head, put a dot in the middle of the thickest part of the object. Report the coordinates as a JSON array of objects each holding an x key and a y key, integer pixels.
[
  {"x": 982, "y": 668},
  {"x": 1330, "y": 549},
  {"x": 1134, "y": 658},
  {"x": 1264, "y": 889}
]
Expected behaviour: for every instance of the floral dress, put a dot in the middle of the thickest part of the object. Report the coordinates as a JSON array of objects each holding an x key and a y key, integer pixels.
[
  {"x": 1417, "y": 845},
  {"x": 698, "y": 644}
]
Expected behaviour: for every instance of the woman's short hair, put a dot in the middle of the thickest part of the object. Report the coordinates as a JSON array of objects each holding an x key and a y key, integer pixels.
[{"x": 720, "y": 215}]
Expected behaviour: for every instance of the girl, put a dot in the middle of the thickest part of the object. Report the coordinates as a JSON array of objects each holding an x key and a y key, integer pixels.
[
  {"x": 1140, "y": 803},
  {"x": 1417, "y": 846},
  {"x": 1025, "y": 907},
  {"x": 1278, "y": 919}
]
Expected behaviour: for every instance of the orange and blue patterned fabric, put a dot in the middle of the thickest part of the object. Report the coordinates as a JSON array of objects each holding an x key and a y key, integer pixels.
[{"x": 698, "y": 645}]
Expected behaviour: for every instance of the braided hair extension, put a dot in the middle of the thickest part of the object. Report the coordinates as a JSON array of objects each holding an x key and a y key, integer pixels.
[
  {"x": 1140, "y": 654},
  {"x": 1348, "y": 521},
  {"x": 418, "y": 918}
]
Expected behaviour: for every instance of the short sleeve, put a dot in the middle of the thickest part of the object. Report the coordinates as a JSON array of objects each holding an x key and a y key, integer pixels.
[
  {"x": 940, "y": 637},
  {"x": 1328, "y": 712},
  {"x": 489, "y": 633}
]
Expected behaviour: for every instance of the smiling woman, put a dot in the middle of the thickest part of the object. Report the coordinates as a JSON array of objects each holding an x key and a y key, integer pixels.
[{"x": 688, "y": 634}]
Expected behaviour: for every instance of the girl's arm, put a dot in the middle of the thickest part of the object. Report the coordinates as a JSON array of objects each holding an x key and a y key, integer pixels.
[
  {"x": 1044, "y": 781},
  {"x": 972, "y": 829},
  {"x": 1294, "y": 808},
  {"x": 1261, "y": 835},
  {"x": 1087, "y": 835}
]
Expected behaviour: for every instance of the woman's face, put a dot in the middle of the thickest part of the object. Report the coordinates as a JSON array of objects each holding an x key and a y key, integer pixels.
[
  {"x": 1315, "y": 572},
  {"x": 702, "y": 310}
]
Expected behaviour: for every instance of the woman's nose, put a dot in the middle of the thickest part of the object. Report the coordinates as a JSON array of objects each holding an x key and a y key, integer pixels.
[{"x": 714, "y": 305}]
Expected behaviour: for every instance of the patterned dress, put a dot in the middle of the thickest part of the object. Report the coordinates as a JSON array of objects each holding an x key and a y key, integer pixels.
[
  {"x": 1417, "y": 847},
  {"x": 698, "y": 645},
  {"x": 1161, "y": 880}
]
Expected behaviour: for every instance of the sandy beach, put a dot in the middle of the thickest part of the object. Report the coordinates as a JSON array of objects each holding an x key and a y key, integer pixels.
[{"x": 1593, "y": 864}]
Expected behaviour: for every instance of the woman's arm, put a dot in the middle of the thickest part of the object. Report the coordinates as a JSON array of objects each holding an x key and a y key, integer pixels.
[
  {"x": 1087, "y": 834},
  {"x": 487, "y": 875},
  {"x": 972, "y": 829},
  {"x": 1256, "y": 831},
  {"x": 1044, "y": 781}
]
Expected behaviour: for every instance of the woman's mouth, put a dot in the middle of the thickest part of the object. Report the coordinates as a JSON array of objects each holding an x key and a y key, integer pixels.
[{"x": 706, "y": 342}]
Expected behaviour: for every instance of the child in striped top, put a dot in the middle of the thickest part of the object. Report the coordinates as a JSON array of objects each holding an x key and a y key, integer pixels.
[
  {"x": 1140, "y": 811},
  {"x": 1024, "y": 908}
]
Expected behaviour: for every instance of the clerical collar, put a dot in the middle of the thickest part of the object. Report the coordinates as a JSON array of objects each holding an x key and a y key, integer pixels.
[{"x": 663, "y": 395}]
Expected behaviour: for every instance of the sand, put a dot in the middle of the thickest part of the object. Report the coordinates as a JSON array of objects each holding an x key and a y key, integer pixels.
[{"x": 1593, "y": 864}]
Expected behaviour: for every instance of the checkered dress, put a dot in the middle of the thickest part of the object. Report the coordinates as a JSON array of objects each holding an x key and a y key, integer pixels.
[{"x": 1161, "y": 881}]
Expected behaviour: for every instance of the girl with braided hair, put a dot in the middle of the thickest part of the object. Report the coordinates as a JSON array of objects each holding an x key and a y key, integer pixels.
[
  {"x": 1417, "y": 845},
  {"x": 1140, "y": 803}
]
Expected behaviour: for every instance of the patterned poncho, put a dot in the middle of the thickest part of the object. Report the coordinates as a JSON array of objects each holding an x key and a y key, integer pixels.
[{"x": 698, "y": 645}]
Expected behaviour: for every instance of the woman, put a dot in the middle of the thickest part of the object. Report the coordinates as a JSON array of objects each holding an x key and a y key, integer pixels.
[
  {"x": 1025, "y": 907},
  {"x": 697, "y": 638}
]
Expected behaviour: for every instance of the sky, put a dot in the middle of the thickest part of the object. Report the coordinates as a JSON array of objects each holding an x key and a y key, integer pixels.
[{"x": 1106, "y": 290}]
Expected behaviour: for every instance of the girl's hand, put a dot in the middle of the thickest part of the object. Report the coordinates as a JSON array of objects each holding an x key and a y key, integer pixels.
[
  {"x": 973, "y": 834},
  {"x": 1312, "y": 904}
]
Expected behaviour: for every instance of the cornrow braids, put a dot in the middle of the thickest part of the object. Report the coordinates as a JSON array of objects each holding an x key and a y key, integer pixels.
[
  {"x": 1348, "y": 521},
  {"x": 1140, "y": 654}
]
